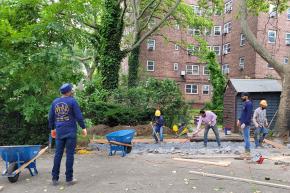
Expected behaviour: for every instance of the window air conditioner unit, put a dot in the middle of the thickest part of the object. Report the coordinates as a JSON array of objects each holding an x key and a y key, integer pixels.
[
  {"x": 287, "y": 43},
  {"x": 182, "y": 73},
  {"x": 227, "y": 71},
  {"x": 225, "y": 52},
  {"x": 150, "y": 48},
  {"x": 225, "y": 33},
  {"x": 242, "y": 68}
]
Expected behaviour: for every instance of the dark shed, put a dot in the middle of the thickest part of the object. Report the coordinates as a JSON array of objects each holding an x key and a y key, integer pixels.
[{"x": 258, "y": 89}]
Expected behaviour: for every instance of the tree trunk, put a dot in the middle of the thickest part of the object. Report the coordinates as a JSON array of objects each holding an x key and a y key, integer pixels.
[
  {"x": 110, "y": 53},
  {"x": 282, "y": 125},
  {"x": 133, "y": 64}
]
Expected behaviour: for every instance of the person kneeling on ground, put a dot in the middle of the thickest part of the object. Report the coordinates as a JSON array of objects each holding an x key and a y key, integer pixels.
[
  {"x": 261, "y": 123},
  {"x": 209, "y": 119},
  {"x": 158, "y": 126}
]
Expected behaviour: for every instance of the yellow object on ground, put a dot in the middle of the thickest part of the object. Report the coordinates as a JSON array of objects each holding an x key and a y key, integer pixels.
[
  {"x": 175, "y": 128},
  {"x": 83, "y": 151}
]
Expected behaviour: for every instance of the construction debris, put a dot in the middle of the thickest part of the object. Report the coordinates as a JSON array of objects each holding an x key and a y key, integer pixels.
[
  {"x": 274, "y": 144},
  {"x": 241, "y": 179},
  {"x": 220, "y": 163}
]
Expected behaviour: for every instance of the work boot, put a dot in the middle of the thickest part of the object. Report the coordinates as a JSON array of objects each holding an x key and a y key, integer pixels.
[
  {"x": 72, "y": 182},
  {"x": 55, "y": 182}
]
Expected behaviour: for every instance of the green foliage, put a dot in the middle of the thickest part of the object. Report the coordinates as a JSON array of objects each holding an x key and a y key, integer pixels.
[
  {"x": 32, "y": 68},
  {"x": 133, "y": 63},
  {"x": 129, "y": 106},
  {"x": 218, "y": 81},
  {"x": 110, "y": 39}
]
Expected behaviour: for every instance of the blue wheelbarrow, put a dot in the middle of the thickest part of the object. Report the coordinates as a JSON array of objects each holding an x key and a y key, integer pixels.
[
  {"x": 120, "y": 141},
  {"x": 17, "y": 158}
]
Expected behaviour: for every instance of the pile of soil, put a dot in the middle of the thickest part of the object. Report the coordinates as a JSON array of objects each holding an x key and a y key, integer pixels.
[{"x": 142, "y": 130}]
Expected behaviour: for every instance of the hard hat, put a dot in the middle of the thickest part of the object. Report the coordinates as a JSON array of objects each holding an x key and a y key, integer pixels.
[
  {"x": 157, "y": 113},
  {"x": 263, "y": 103},
  {"x": 175, "y": 128}
]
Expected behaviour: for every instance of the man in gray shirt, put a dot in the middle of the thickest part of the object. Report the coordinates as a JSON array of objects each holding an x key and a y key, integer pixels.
[{"x": 261, "y": 123}]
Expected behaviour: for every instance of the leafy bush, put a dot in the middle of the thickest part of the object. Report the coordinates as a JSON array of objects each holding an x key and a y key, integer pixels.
[{"x": 129, "y": 106}]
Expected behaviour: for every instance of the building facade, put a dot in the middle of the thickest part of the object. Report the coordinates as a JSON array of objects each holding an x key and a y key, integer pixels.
[{"x": 162, "y": 59}]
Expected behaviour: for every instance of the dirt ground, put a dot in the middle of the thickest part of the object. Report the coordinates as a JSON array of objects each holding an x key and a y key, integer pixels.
[{"x": 149, "y": 173}]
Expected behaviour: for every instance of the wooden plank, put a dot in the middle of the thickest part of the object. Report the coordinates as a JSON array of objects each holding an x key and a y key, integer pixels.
[
  {"x": 119, "y": 143},
  {"x": 274, "y": 144},
  {"x": 1, "y": 188},
  {"x": 29, "y": 162},
  {"x": 220, "y": 163},
  {"x": 213, "y": 157},
  {"x": 241, "y": 179}
]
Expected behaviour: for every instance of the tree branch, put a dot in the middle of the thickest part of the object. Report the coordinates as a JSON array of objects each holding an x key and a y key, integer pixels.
[
  {"x": 146, "y": 35},
  {"x": 124, "y": 10},
  {"x": 144, "y": 10},
  {"x": 150, "y": 17},
  {"x": 263, "y": 52}
]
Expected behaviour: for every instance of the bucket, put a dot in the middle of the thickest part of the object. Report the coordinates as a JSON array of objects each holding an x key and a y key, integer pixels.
[{"x": 228, "y": 131}]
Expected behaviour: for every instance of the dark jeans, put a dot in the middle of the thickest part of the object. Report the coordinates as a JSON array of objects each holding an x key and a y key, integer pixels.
[
  {"x": 70, "y": 145},
  {"x": 260, "y": 134},
  {"x": 216, "y": 132}
]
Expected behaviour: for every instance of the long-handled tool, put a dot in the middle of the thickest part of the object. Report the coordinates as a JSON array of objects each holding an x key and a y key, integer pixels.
[{"x": 154, "y": 132}]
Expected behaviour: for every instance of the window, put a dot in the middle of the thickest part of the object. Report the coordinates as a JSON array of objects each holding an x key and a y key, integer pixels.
[
  {"x": 228, "y": 27},
  {"x": 151, "y": 23},
  {"x": 207, "y": 32},
  {"x": 228, "y": 7},
  {"x": 150, "y": 65},
  {"x": 190, "y": 50},
  {"x": 227, "y": 48},
  {"x": 191, "y": 89},
  {"x": 242, "y": 63},
  {"x": 287, "y": 39},
  {"x": 193, "y": 31},
  {"x": 190, "y": 30},
  {"x": 217, "y": 30},
  {"x": 272, "y": 11},
  {"x": 217, "y": 50},
  {"x": 205, "y": 89},
  {"x": 150, "y": 44},
  {"x": 288, "y": 13},
  {"x": 176, "y": 47},
  {"x": 177, "y": 27},
  {"x": 226, "y": 69},
  {"x": 175, "y": 66},
  {"x": 192, "y": 69},
  {"x": 270, "y": 66},
  {"x": 285, "y": 60},
  {"x": 197, "y": 10},
  {"x": 271, "y": 36},
  {"x": 243, "y": 40},
  {"x": 205, "y": 70}
]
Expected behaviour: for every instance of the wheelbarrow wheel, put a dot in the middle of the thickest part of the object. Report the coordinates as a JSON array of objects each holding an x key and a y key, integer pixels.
[
  {"x": 128, "y": 149},
  {"x": 11, "y": 168}
]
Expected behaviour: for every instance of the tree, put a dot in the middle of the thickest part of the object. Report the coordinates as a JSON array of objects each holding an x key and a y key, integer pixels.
[
  {"x": 34, "y": 63},
  {"x": 255, "y": 8},
  {"x": 283, "y": 123}
]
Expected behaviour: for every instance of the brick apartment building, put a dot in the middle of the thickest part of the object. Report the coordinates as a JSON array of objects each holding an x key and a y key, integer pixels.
[{"x": 162, "y": 60}]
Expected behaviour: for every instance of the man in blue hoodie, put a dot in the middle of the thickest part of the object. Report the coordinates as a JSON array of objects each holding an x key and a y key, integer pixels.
[
  {"x": 63, "y": 117},
  {"x": 244, "y": 121}
]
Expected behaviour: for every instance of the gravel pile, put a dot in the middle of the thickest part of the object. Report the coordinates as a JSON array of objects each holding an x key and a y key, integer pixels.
[{"x": 188, "y": 148}]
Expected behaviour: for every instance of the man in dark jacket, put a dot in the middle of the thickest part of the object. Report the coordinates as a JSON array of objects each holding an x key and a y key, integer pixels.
[
  {"x": 63, "y": 117},
  {"x": 158, "y": 126},
  {"x": 244, "y": 121}
]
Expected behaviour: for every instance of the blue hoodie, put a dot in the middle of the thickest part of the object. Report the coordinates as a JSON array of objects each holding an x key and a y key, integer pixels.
[
  {"x": 246, "y": 115},
  {"x": 64, "y": 115}
]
